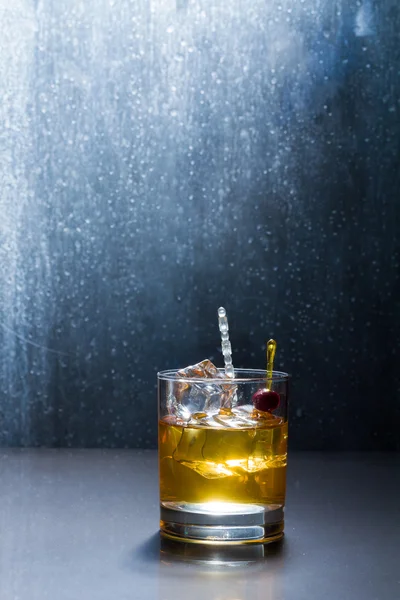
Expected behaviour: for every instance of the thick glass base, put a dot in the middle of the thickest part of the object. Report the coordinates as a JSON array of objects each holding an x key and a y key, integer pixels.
[{"x": 221, "y": 523}]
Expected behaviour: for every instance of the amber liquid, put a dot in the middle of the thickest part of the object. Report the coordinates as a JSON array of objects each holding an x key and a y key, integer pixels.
[{"x": 206, "y": 464}]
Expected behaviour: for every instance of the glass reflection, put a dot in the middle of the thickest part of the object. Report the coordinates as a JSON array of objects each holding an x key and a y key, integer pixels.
[
  {"x": 221, "y": 572},
  {"x": 217, "y": 556}
]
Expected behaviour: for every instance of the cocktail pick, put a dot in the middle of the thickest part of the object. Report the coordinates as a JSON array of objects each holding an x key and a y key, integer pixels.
[
  {"x": 265, "y": 399},
  {"x": 271, "y": 350}
]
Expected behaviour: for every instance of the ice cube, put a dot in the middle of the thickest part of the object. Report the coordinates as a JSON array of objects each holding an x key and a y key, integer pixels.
[
  {"x": 204, "y": 420},
  {"x": 190, "y": 453},
  {"x": 198, "y": 397},
  {"x": 237, "y": 418},
  {"x": 214, "y": 452},
  {"x": 205, "y": 368},
  {"x": 177, "y": 409},
  {"x": 229, "y": 443}
]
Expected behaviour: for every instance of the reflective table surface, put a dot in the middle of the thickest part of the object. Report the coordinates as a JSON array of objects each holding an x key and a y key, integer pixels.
[{"x": 82, "y": 524}]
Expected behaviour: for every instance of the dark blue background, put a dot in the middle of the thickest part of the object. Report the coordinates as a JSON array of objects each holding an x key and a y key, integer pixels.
[{"x": 158, "y": 160}]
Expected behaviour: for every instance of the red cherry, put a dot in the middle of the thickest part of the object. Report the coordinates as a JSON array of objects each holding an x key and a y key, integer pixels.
[{"x": 265, "y": 400}]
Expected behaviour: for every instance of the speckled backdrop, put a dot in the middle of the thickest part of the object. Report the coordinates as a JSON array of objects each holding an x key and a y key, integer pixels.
[{"x": 161, "y": 158}]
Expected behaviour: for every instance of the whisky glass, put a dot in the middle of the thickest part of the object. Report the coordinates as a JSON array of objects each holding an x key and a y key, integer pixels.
[{"x": 222, "y": 462}]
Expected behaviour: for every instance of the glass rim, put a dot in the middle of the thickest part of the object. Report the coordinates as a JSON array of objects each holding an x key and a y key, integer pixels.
[{"x": 256, "y": 376}]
